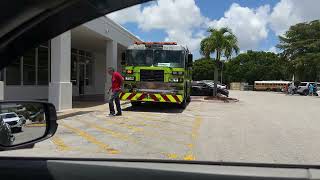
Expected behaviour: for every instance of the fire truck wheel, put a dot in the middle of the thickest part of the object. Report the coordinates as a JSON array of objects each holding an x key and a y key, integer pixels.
[
  {"x": 135, "y": 103},
  {"x": 183, "y": 105},
  {"x": 188, "y": 99}
]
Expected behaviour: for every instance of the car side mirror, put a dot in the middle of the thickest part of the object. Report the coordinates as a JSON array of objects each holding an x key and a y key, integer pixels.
[
  {"x": 24, "y": 123},
  {"x": 190, "y": 60},
  {"x": 123, "y": 58}
]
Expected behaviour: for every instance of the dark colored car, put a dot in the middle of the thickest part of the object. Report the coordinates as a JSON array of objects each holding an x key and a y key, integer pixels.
[{"x": 200, "y": 88}]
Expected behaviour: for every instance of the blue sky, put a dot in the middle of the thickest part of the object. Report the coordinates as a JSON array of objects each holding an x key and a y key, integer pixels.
[{"x": 257, "y": 23}]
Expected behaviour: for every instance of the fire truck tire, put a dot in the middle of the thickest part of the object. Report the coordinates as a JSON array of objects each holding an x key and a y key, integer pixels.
[
  {"x": 183, "y": 104},
  {"x": 135, "y": 103},
  {"x": 189, "y": 99}
]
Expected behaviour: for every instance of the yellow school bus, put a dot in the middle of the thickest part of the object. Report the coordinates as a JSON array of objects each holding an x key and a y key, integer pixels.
[{"x": 270, "y": 85}]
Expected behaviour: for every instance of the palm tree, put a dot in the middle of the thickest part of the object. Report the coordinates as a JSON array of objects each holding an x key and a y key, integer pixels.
[{"x": 222, "y": 42}]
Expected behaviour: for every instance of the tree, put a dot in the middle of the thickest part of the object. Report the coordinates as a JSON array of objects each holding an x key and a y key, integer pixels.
[
  {"x": 301, "y": 46},
  {"x": 222, "y": 42},
  {"x": 253, "y": 65},
  {"x": 203, "y": 69}
]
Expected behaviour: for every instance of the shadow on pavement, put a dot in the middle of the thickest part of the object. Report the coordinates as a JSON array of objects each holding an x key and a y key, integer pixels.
[
  {"x": 156, "y": 107},
  {"x": 73, "y": 114},
  {"x": 87, "y": 101},
  {"x": 86, "y": 104}
]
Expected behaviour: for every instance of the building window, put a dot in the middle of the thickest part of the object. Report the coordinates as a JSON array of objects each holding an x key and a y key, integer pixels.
[
  {"x": 32, "y": 69},
  {"x": 81, "y": 57},
  {"x": 88, "y": 74},
  {"x": 2, "y": 75},
  {"x": 74, "y": 69},
  {"x": 43, "y": 65},
  {"x": 13, "y": 73},
  {"x": 29, "y": 68}
]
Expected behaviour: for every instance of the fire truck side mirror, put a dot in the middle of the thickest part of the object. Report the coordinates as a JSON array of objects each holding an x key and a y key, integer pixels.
[
  {"x": 190, "y": 59},
  {"x": 123, "y": 58}
]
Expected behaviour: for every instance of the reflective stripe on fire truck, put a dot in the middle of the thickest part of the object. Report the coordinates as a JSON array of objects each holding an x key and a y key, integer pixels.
[{"x": 151, "y": 97}]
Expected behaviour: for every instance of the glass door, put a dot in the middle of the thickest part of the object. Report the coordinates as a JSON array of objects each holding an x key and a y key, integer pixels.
[{"x": 82, "y": 75}]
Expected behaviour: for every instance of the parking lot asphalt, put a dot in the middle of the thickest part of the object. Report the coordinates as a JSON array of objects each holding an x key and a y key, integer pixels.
[
  {"x": 30, "y": 132},
  {"x": 262, "y": 127}
]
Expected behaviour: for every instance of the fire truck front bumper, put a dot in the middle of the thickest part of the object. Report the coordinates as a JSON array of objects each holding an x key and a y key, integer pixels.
[{"x": 151, "y": 97}]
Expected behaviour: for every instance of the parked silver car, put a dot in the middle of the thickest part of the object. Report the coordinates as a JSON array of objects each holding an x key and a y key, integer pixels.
[
  {"x": 13, "y": 120},
  {"x": 211, "y": 82},
  {"x": 303, "y": 88}
]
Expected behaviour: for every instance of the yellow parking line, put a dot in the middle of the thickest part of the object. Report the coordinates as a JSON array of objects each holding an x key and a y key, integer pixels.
[
  {"x": 189, "y": 157},
  {"x": 155, "y": 134},
  {"x": 162, "y": 127},
  {"x": 60, "y": 144},
  {"x": 172, "y": 156},
  {"x": 36, "y": 125},
  {"x": 108, "y": 131},
  {"x": 133, "y": 128},
  {"x": 154, "y": 117},
  {"x": 194, "y": 134},
  {"x": 91, "y": 139},
  {"x": 196, "y": 127},
  {"x": 131, "y": 140},
  {"x": 147, "y": 133}
]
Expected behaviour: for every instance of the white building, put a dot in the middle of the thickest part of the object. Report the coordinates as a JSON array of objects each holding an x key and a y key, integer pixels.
[{"x": 70, "y": 65}]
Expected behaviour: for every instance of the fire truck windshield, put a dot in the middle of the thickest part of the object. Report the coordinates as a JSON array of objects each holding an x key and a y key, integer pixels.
[{"x": 164, "y": 58}]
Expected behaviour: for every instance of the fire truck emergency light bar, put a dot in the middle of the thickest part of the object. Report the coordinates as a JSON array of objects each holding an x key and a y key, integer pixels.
[{"x": 158, "y": 43}]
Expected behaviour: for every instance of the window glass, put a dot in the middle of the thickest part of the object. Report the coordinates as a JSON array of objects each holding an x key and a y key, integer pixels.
[
  {"x": 1, "y": 75},
  {"x": 74, "y": 69},
  {"x": 88, "y": 74},
  {"x": 13, "y": 73},
  {"x": 29, "y": 68},
  {"x": 11, "y": 115},
  {"x": 43, "y": 66}
]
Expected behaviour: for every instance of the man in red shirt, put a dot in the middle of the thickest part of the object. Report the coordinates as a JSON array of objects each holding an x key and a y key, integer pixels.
[{"x": 116, "y": 81}]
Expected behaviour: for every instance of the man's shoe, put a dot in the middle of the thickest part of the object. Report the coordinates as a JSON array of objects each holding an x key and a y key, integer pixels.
[
  {"x": 111, "y": 114},
  {"x": 118, "y": 114}
]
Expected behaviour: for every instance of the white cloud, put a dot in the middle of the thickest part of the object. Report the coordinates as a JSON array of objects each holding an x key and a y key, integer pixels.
[
  {"x": 289, "y": 12},
  {"x": 169, "y": 14},
  {"x": 273, "y": 49},
  {"x": 180, "y": 19},
  {"x": 130, "y": 14},
  {"x": 183, "y": 22},
  {"x": 249, "y": 25}
]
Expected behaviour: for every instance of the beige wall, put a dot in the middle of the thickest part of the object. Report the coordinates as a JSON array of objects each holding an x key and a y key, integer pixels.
[{"x": 25, "y": 92}]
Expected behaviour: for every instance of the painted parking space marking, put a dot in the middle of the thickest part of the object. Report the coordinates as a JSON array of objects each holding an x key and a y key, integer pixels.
[
  {"x": 114, "y": 134},
  {"x": 138, "y": 122},
  {"x": 149, "y": 118},
  {"x": 130, "y": 138},
  {"x": 91, "y": 139},
  {"x": 194, "y": 134},
  {"x": 142, "y": 130},
  {"x": 148, "y": 134},
  {"x": 61, "y": 145},
  {"x": 133, "y": 128},
  {"x": 36, "y": 125}
]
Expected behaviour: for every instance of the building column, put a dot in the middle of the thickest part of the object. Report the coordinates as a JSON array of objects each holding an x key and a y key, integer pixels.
[
  {"x": 60, "y": 87},
  {"x": 1, "y": 90},
  {"x": 111, "y": 61}
]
